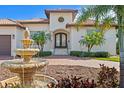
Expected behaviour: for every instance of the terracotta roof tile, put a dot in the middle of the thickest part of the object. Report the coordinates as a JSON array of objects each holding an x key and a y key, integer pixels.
[
  {"x": 88, "y": 22},
  {"x": 61, "y": 10},
  {"x": 47, "y": 11},
  {"x": 7, "y": 22},
  {"x": 35, "y": 20}
]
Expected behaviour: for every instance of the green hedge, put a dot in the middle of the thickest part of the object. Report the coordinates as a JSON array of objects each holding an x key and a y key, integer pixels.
[
  {"x": 76, "y": 53},
  {"x": 44, "y": 53},
  {"x": 89, "y": 54},
  {"x": 102, "y": 54}
]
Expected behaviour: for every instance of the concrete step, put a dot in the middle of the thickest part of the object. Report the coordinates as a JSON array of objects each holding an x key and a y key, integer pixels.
[{"x": 61, "y": 51}]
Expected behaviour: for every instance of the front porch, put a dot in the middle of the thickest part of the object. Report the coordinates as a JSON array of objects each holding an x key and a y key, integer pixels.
[{"x": 61, "y": 42}]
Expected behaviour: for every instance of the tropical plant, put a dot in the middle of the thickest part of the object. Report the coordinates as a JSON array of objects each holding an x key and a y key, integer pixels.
[
  {"x": 107, "y": 14},
  {"x": 90, "y": 40},
  {"x": 75, "y": 82},
  {"x": 40, "y": 38},
  {"x": 107, "y": 77}
]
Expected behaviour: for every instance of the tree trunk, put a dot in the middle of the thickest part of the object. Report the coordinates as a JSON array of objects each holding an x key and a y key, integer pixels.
[
  {"x": 121, "y": 45},
  {"x": 89, "y": 49},
  {"x": 41, "y": 48},
  {"x": 38, "y": 45}
]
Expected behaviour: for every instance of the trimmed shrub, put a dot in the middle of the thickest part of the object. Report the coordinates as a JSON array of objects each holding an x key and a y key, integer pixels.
[
  {"x": 102, "y": 54},
  {"x": 44, "y": 53},
  {"x": 89, "y": 54},
  {"x": 76, "y": 53}
]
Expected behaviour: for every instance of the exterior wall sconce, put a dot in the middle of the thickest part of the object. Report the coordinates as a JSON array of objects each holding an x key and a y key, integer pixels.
[{"x": 13, "y": 36}]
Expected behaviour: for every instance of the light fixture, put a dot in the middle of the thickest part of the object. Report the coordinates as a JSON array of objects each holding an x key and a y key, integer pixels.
[{"x": 13, "y": 36}]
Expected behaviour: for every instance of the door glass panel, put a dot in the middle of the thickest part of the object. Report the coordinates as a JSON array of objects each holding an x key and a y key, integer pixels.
[
  {"x": 63, "y": 40},
  {"x": 58, "y": 40}
]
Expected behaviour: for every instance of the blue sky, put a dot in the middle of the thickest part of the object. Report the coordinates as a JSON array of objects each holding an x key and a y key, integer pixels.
[{"x": 29, "y": 11}]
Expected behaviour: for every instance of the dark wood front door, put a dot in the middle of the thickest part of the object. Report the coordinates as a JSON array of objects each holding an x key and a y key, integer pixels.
[{"x": 60, "y": 40}]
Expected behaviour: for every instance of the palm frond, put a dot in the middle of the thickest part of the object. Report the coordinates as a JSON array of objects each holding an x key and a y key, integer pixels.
[
  {"x": 107, "y": 23},
  {"x": 97, "y": 11},
  {"x": 100, "y": 13}
]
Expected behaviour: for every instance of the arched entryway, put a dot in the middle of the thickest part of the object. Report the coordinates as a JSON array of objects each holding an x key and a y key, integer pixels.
[{"x": 60, "y": 40}]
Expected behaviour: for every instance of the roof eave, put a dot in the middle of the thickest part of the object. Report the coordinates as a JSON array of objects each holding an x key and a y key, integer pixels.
[
  {"x": 47, "y": 12},
  {"x": 29, "y": 22},
  {"x": 12, "y": 25},
  {"x": 87, "y": 25}
]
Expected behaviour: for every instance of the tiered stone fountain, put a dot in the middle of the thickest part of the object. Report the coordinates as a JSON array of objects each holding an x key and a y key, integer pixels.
[{"x": 27, "y": 68}]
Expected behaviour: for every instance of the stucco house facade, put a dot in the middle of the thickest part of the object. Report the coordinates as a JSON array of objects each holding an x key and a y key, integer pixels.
[{"x": 62, "y": 27}]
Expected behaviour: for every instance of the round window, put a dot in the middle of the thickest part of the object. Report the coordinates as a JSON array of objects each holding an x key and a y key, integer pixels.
[{"x": 61, "y": 19}]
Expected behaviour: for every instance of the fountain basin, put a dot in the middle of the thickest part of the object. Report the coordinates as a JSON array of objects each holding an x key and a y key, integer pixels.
[
  {"x": 17, "y": 66},
  {"x": 25, "y": 71},
  {"x": 26, "y": 52},
  {"x": 40, "y": 81}
]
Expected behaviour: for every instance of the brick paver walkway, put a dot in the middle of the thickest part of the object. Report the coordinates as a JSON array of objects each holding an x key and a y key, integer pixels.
[{"x": 68, "y": 60}]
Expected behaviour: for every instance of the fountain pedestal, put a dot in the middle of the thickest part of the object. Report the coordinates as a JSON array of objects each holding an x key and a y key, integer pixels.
[{"x": 26, "y": 79}]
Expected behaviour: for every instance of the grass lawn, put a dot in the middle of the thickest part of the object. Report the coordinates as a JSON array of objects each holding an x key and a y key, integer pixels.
[{"x": 114, "y": 59}]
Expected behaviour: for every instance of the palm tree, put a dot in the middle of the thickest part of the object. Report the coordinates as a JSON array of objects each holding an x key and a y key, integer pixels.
[
  {"x": 40, "y": 38},
  {"x": 107, "y": 14},
  {"x": 92, "y": 39}
]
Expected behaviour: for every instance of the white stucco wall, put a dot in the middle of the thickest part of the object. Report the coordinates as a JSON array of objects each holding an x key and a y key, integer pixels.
[
  {"x": 55, "y": 24},
  {"x": 109, "y": 45},
  {"x": 9, "y": 30},
  {"x": 40, "y": 27},
  {"x": 19, "y": 37},
  {"x": 37, "y": 27}
]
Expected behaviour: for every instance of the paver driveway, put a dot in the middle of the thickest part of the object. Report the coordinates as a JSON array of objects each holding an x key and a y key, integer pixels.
[{"x": 68, "y": 60}]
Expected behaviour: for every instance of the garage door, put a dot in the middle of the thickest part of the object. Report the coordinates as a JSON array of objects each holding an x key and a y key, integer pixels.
[{"x": 5, "y": 45}]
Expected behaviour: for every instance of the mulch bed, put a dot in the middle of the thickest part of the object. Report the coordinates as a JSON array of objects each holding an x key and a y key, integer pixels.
[{"x": 58, "y": 71}]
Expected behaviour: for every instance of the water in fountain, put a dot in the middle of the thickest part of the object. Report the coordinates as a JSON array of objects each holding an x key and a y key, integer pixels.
[{"x": 27, "y": 68}]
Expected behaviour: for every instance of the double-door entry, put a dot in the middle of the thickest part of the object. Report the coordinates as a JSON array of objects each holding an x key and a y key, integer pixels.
[{"x": 60, "y": 40}]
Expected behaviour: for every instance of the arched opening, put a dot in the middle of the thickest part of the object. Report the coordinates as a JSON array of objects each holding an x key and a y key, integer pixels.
[{"x": 60, "y": 40}]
